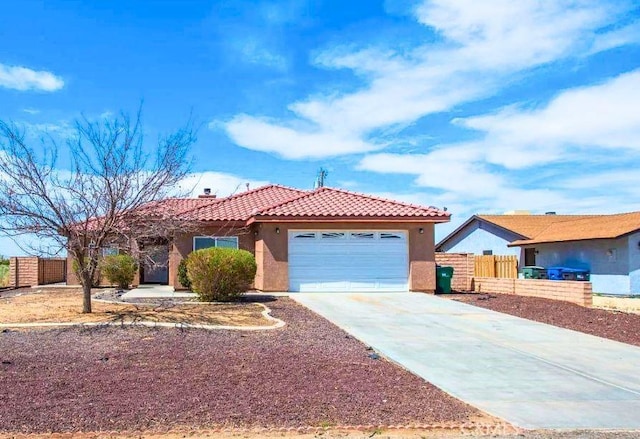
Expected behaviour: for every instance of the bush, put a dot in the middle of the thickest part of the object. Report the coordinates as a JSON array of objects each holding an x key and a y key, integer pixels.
[
  {"x": 183, "y": 278},
  {"x": 119, "y": 270},
  {"x": 220, "y": 274},
  {"x": 4, "y": 275}
]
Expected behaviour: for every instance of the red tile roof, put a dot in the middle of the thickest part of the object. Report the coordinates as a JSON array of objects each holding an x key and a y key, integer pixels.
[
  {"x": 328, "y": 203},
  {"x": 242, "y": 206},
  {"x": 283, "y": 203}
]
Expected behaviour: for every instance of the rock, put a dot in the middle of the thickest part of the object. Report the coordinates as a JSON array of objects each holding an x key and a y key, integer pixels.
[
  {"x": 6, "y": 362},
  {"x": 374, "y": 356}
]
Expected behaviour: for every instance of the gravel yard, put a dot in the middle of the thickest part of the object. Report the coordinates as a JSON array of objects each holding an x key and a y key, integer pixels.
[
  {"x": 614, "y": 325},
  {"x": 309, "y": 373}
]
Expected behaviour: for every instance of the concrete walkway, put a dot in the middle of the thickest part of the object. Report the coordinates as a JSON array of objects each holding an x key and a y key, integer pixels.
[
  {"x": 153, "y": 291},
  {"x": 530, "y": 374}
]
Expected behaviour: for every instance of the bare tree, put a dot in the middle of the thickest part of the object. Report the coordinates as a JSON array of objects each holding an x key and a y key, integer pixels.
[{"x": 107, "y": 191}]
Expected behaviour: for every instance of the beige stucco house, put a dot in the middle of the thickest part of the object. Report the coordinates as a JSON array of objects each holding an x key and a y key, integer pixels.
[{"x": 321, "y": 240}]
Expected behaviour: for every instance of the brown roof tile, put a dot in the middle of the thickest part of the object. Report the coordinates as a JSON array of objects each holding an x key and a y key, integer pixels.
[
  {"x": 329, "y": 202},
  {"x": 529, "y": 226},
  {"x": 587, "y": 227},
  {"x": 241, "y": 207}
]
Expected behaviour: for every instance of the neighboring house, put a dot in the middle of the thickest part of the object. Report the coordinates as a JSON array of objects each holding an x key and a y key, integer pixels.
[
  {"x": 607, "y": 245},
  {"x": 321, "y": 240}
]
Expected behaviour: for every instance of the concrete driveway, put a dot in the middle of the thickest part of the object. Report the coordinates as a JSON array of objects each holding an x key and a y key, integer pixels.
[{"x": 530, "y": 374}]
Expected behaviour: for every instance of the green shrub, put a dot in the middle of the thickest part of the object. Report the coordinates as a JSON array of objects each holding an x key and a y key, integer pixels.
[
  {"x": 183, "y": 278},
  {"x": 119, "y": 270},
  {"x": 4, "y": 275},
  {"x": 220, "y": 274}
]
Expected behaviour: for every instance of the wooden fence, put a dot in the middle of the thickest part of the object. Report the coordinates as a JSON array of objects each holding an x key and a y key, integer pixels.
[{"x": 496, "y": 266}]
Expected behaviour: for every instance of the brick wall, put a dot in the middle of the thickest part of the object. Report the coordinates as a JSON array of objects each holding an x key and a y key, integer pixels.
[
  {"x": 569, "y": 291},
  {"x": 463, "y": 266},
  {"x": 23, "y": 271},
  {"x": 51, "y": 271},
  {"x": 29, "y": 271}
]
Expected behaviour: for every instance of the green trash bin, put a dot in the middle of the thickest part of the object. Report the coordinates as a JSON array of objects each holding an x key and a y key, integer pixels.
[
  {"x": 534, "y": 272},
  {"x": 443, "y": 279}
]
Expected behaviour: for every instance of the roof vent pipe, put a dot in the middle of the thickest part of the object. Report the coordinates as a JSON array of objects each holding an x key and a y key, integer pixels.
[{"x": 207, "y": 193}]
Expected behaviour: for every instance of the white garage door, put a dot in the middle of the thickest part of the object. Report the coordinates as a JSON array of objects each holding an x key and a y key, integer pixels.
[{"x": 348, "y": 260}]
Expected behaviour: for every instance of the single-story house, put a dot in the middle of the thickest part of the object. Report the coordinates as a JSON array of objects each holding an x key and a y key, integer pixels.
[
  {"x": 607, "y": 245},
  {"x": 321, "y": 240}
]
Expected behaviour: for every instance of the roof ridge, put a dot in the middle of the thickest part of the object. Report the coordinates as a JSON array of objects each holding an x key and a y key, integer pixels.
[
  {"x": 282, "y": 203},
  {"x": 386, "y": 200},
  {"x": 242, "y": 194}
]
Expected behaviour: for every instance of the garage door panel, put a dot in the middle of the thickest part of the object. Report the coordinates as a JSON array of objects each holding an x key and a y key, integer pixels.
[{"x": 348, "y": 261}]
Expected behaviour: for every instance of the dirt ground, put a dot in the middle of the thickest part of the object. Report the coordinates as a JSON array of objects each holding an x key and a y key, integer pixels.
[
  {"x": 627, "y": 304},
  {"x": 611, "y": 324},
  {"x": 307, "y": 374},
  {"x": 65, "y": 306}
]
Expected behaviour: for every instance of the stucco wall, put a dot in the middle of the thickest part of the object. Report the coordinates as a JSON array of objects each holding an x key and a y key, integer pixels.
[
  {"x": 607, "y": 259},
  {"x": 182, "y": 245},
  {"x": 633, "y": 245},
  {"x": 272, "y": 252},
  {"x": 477, "y": 237}
]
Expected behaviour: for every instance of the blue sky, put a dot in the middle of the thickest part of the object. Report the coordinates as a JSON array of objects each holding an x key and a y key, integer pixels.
[{"x": 482, "y": 107}]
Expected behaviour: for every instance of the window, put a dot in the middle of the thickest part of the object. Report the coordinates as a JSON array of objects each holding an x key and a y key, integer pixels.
[
  {"x": 332, "y": 235},
  {"x": 304, "y": 235},
  {"x": 362, "y": 235},
  {"x": 200, "y": 242},
  {"x": 109, "y": 251},
  {"x": 487, "y": 252},
  {"x": 385, "y": 235}
]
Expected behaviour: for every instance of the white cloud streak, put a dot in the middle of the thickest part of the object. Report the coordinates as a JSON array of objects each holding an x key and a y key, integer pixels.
[
  {"x": 481, "y": 44},
  {"x": 25, "y": 79}
]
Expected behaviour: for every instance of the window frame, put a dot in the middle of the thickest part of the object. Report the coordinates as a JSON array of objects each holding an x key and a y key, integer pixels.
[{"x": 215, "y": 240}]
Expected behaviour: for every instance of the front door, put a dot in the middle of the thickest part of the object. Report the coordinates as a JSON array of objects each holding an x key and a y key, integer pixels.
[
  {"x": 529, "y": 257},
  {"x": 155, "y": 264}
]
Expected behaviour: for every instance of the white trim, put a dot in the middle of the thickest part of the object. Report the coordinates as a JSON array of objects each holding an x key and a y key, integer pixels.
[
  {"x": 348, "y": 260},
  {"x": 215, "y": 240}
]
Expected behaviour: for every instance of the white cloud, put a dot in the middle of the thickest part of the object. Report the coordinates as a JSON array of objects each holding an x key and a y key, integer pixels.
[
  {"x": 252, "y": 50},
  {"x": 62, "y": 129},
  {"x": 629, "y": 34},
  {"x": 481, "y": 44},
  {"x": 603, "y": 116},
  {"x": 31, "y": 111},
  {"x": 291, "y": 142},
  {"x": 23, "y": 79},
  {"x": 222, "y": 184},
  {"x": 508, "y": 168}
]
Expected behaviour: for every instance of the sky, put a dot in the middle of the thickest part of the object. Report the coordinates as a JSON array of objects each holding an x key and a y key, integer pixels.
[{"x": 478, "y": 106}]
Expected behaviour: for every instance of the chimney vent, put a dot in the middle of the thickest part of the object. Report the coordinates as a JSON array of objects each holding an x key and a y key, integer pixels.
[{"x": 207, "y": 193}]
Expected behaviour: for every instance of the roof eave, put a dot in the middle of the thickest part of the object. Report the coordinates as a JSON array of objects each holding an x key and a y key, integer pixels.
[
  {"x": 519, "y": 243},
  {"x": 346, "y": 219}
]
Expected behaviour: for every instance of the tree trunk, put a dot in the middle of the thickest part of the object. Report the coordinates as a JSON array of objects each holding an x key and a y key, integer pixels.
[{"x": 86, "y": 299}]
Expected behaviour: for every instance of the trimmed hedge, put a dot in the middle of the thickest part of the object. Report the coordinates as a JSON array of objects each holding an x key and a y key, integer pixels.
[
  {"x": 183, "y": 277},
  {"x": 220, "y": 274},
  {"x": 119, "y": 270}
]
